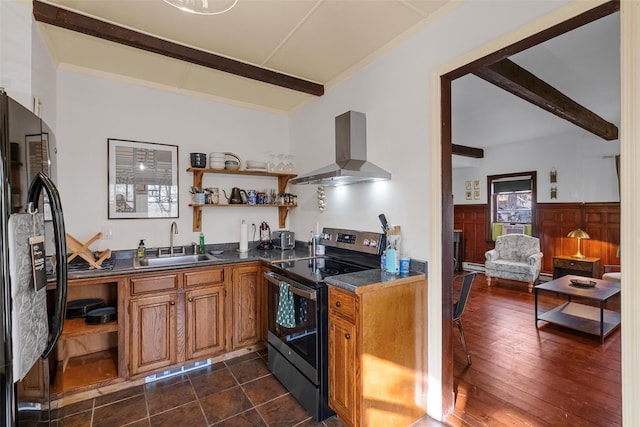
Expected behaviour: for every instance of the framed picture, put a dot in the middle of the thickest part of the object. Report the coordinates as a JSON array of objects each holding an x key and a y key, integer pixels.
[
  {"x": 476, "y": 184},
  {"x": 468, "y": 194},
  {"x": 467, "y": 185},
  {"x": 143, "y": 179},
  {"x": 476, "y": 194}
]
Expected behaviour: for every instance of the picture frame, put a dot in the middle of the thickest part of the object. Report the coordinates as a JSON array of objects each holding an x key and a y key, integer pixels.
[
  {"x": 142, "y": 179},
  {"x": 468, "y": 193},
  {"x": 476, "y": 194},
  {"x": 467, "y": 185},
  {"x": 476, "y": 184}
]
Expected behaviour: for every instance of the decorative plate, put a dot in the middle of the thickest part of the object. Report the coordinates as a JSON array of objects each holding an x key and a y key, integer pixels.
[{"x": 583, "y": 283}]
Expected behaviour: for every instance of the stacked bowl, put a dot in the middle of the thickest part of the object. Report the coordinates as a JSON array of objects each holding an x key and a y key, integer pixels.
[
  {"x": 198, "y": 160},
  {"x": 216, "y": 160}
]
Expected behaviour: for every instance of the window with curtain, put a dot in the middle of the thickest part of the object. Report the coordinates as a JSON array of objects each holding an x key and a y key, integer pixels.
[{"x": 512, "y": 198}]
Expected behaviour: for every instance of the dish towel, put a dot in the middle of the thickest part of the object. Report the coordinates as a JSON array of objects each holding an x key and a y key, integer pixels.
[{"x": 286, "y": 313}]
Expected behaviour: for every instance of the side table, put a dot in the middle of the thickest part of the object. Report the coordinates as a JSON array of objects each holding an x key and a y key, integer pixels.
[{"x": 587, "y": 267}]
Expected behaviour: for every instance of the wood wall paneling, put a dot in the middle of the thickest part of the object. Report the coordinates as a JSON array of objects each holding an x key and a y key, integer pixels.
[{"x": 553, "y": 221}]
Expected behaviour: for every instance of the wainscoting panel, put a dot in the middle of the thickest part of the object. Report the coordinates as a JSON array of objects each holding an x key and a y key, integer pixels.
[{"x": 553, "y": 221}]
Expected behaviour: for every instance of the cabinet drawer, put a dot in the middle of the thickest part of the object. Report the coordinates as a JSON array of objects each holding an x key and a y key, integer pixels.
[
  {"x": 148, "y": 284},
  {"x": 211, "y": 276},
  {"x": 342, "y": 303},
  {"x": 572, "y": 264}
]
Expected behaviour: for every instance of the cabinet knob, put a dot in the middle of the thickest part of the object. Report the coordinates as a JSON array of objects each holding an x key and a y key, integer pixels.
[
  {"x": 172, "y": 303},
  {"x": 572, "y": 263},
  {"x": 190, "y": 299},
  {"x": 338, "y": 304},
  {"x": 347, "y": 336}
]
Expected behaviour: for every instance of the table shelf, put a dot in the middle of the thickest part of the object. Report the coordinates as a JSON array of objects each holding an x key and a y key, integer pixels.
[{"x": 582, "y": 317}]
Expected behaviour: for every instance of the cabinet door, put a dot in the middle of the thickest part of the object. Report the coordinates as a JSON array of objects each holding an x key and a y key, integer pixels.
[
  {"x": 153, "y": 333},
  {"x": 342, "y": 369},
  {"x": 205, "y": 322},
  {"x": 246, "y": 325}
]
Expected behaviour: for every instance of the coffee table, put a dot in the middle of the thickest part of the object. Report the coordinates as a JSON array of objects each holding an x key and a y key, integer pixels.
[{"x": 581, "y": 317}]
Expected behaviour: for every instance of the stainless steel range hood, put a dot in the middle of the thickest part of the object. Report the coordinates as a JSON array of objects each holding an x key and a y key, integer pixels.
[{"x": 351, "y": 164}]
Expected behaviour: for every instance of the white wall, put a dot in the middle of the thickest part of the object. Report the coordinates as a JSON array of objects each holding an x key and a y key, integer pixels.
[
  {"x": 92, "y": 109},
  {"x": 15, "y": 50},
  {"x": 393, "y": 92},
  {"x": 585, "y": 166}
]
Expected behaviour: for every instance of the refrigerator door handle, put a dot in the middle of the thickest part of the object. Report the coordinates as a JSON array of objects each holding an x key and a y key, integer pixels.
[{"x": 42, "y": 181}]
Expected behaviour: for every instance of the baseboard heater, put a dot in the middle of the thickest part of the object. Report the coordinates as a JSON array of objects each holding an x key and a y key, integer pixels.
[
  {"x": 473, "y": 266},
  {"x": 177, "y": 371}
]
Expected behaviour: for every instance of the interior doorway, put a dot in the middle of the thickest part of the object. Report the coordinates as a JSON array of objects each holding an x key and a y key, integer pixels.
[{"x": 446, "y": 80}]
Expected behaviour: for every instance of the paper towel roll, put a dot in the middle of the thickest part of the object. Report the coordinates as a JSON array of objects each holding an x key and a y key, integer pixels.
[{"x": 244, "y": 244}]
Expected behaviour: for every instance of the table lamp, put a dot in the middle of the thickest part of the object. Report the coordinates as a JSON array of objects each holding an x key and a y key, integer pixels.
[{"x": 578, "y": 234}]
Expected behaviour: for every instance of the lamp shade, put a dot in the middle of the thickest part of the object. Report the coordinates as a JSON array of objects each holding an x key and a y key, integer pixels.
[{"x": 578, "y": 234}]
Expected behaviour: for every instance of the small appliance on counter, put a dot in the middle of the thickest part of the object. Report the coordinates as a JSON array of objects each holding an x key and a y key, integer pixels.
[
  {"x": 265, "y": 236},
  {"x": 283, "y": 239}
]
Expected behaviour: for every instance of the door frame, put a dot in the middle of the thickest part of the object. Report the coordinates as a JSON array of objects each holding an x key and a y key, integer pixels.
[{"x": 441, "y": 393}]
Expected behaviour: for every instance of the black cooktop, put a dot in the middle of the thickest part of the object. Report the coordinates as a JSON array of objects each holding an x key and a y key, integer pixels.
[{"x": 314, "y": 270}]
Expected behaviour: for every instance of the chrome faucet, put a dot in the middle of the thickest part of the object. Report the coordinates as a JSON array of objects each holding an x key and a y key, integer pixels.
[{"x": 174, "y": 230}]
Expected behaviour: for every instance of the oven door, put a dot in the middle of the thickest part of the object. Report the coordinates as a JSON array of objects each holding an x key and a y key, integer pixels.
[{"x": 293, "y": 319}]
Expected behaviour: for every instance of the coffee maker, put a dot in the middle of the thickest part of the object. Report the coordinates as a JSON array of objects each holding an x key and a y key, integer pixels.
[{"x": 265, "y": 236}]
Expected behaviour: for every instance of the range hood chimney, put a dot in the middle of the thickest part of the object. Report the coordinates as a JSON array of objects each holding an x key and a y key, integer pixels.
[{"x": 351, "y": 166}]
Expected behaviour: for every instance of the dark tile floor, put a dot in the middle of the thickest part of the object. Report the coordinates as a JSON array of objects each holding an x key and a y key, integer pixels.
[
  {"x": 240, "y": 392},
  {"x": 234, "y": 393}
]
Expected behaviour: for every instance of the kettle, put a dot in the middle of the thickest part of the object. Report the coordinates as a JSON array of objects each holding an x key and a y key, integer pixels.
[{"x": 236, "y": 196}]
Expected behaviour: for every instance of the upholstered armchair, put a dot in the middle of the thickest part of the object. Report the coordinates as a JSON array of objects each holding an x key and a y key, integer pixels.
[{"x": 515, "y": 257}]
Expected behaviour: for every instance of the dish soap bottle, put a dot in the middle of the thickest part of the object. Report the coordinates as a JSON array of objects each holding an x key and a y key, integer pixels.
[
  {"x": 141, "y": 249},
  {"x": 201, "y": 248}
]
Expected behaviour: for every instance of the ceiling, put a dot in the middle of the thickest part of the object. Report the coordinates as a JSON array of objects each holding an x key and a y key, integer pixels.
[
  {"x": 584, "y": 64},
  {"x": 316, "y": 40},
  {"x": 324, "y": 41}
]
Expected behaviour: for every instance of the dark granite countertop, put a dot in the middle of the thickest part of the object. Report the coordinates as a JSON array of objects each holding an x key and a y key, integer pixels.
[
  {"x": 122, "y": 261},
  {"x": 363, "y": 281}
]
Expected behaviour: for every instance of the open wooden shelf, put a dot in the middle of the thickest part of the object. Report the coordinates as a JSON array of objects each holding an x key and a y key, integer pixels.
[
  {"x": 74, "y": 328},
  {"x": 87, "y": 371},
  {"x": 283, "y": 180}
]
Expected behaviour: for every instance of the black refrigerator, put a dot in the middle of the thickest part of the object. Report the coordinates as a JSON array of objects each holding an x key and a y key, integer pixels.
[{"x": 33, "y": 250}]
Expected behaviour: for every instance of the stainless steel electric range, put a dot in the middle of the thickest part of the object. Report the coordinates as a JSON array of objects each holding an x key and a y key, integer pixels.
[{"x": 297, "y": 313}]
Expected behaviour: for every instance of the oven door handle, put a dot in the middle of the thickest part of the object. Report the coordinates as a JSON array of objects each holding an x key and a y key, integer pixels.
[{"x": 295, "y": 287}]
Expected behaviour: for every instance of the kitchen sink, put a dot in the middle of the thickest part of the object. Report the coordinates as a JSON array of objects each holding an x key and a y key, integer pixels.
[{"x": 162, "y": 261}]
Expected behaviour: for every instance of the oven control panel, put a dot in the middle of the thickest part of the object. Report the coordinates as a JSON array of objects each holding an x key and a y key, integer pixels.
[{"x": 361, "y": 241}]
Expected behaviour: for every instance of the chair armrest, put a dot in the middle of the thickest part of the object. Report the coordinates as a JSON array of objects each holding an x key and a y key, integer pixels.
[
  {"x": 535, "y": 258},
  {"x": 612, "y": 268},
  {"x": 491, "y": 255}
]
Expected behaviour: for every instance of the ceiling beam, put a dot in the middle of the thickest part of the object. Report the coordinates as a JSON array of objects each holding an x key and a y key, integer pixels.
[
  {"x": 511, "y": 77},
  {"x": 463, "y": 150},
  {"x": 53, "y": 15}
]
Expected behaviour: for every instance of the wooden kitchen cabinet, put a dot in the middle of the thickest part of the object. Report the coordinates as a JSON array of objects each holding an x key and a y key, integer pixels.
[
  {"x": 205, "y": 312},
  {"x": 153, "y": 332},
  {"x": 377, "y": 352},
  {"x": 183, "y": 319},
  {"x": 90, "y": 354},
  {"x": 342, "y": 373},
  {"x": 246, "y": 319}
]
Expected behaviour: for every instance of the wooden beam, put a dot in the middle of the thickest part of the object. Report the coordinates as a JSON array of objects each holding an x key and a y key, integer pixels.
[
  {"x": 511, "y": 77},
  {"x": 50, "y": 14},
  {"x": 463, "y": 150}
]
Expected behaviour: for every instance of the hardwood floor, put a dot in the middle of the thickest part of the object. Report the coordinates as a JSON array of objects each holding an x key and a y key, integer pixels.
[{"x": 523, "y": 376}]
